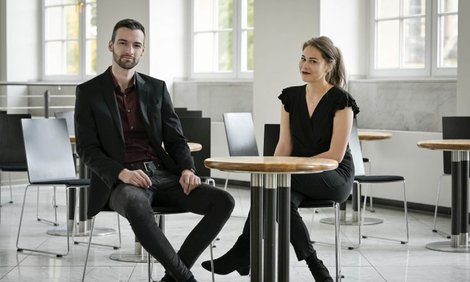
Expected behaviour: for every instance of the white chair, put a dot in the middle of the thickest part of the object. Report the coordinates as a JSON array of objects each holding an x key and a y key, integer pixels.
[
  {"x": 50, "y": 163},
  {"x": 241, "y": 136}
]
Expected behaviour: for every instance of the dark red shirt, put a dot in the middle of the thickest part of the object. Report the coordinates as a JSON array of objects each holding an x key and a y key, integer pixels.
[{"x": 138, "y": 147}]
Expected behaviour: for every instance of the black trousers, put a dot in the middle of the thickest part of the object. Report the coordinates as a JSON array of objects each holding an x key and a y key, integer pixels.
[
  {"x": 135, "y": 204},
  {"x": 329, "y": 185}
]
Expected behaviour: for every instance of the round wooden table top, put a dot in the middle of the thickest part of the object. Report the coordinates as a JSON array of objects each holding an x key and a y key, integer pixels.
[
  {"x": 271, "y": 164},
  {"x": 446, "y": 144},
  {"x": 194, "y": 147},
  {"x": 373, "y": 135}
]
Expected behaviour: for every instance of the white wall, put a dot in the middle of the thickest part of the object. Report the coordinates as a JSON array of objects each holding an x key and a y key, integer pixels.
[
  {"x": 3, "y": 41},
  {"x": 348, "y": 28},
  {"x": 22, "y": 55},
  {"x": 168, "y": 30},
  {"x": 463, "y": 83},
  {"x": 109, "y": 12},
  {"x": 280, "y": 31}
]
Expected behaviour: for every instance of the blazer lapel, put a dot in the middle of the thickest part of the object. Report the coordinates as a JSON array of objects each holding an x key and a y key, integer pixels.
[
  {"x": 143, "y": 93},
  {"x": 110, "y": 99}
]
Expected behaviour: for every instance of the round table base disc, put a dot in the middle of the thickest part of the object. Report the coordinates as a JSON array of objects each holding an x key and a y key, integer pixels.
[
  {"x": 367, "y": 221},
  {"x": 128, "y": 256},
  {"x": 444, "y": 246},
  {"x": 97, "y": 231}
]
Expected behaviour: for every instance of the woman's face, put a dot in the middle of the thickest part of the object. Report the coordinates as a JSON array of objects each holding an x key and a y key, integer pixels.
[{"x": 312, "y": 66}]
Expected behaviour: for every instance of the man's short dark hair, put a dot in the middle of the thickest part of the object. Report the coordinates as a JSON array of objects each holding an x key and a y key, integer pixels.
[{"x": 128, "y": 23}]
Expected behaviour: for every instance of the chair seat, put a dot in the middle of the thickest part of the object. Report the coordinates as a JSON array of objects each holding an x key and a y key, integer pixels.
[
  {"x": 378, "y": 178},
  {"x": 311, "y": 203},
  {"x": 13, "y": 167},
  {"x": 168, "y": 210},
  {"x": 67, "y": 182}
]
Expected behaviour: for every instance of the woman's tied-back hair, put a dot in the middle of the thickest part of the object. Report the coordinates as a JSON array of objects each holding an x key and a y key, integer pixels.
[
  {"x": 331, "y": 54},
  {"x": 128, "y": 23}
]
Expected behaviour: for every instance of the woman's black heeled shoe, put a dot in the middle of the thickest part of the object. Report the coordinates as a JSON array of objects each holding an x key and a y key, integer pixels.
[
  {"x": 236, "y": 259},
  {"x": 318, "y": 269}
]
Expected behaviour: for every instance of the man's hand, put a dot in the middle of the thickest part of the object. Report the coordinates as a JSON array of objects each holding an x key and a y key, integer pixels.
[
  {"x": 135, "y": 177},
  {"x": 189, "y": 181}
]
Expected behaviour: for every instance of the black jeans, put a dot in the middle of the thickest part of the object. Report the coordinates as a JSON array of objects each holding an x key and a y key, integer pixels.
[{"x": 135, "y": 204}]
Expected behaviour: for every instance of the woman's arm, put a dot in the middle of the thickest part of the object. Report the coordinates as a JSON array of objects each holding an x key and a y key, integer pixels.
[
  {"x": 284, "y": 145},
  {"x": 342, "y": 124}
]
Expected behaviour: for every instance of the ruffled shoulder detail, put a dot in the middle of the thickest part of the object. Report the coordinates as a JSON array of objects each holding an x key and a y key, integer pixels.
[
  {"x": 289, "y": 95},
  {"x": 344, "y": 100}
]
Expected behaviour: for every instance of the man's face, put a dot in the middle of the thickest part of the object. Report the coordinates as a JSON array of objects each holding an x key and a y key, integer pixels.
[{"x": 127, "y": 48}]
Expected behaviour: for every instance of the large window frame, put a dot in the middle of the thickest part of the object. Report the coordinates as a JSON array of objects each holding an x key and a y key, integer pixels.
[
  {"x": 83, "y": 37},
  {"x": 241, "y": 31},
  {"x": 433, "y": 17}
]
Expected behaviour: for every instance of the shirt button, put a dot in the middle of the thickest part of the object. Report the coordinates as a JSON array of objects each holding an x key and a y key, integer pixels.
[
  {"x": 132, "y": 128},
  {"x": 128, "y": 111}
]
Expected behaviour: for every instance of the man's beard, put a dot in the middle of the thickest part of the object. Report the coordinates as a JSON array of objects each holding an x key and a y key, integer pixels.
[{"x": 125, "y": 64}]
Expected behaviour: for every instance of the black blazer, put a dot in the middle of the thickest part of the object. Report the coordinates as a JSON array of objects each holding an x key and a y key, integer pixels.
[{"x": 100, "y": 138}]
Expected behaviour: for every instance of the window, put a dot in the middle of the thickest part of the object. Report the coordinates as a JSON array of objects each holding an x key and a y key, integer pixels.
[
  {"x": 222, "y": 38},
  {"x": 69, "y": 39},
  {"x": 414, "y": 37}
]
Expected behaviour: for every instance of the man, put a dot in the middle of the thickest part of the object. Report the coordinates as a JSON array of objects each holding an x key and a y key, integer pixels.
[{"x": 122, "y": 118}]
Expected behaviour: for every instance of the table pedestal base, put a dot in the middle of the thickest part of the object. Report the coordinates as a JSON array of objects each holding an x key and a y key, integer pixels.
[
  {"x": 82, "y": 229},
  {"x": 138, "y": 256},
  {"x": 352, "y": 221},
  {"x": 446, "y": 246}
]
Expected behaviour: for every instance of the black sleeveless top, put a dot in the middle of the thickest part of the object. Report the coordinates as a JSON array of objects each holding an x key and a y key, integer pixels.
[{"x": 312, "y": 135}]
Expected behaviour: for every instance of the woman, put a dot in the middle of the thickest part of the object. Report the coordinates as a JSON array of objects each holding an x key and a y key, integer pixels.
[{"x": 316, "y": 121}]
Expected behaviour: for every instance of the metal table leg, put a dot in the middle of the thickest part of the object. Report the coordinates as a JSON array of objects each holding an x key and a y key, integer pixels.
[
  {"x": 256, "y": 227},
  {"x": 459, "y": 218}
]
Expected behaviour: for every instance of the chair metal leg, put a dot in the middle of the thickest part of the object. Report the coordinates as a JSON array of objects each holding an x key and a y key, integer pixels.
[
  {"x": 371, "y": 200},
  {"x": 337, "y": 243},
  {"x": 405, "y": 210},
  {"x": 435, "y": 229},
  {"x": 54, "y": 205},
  {"x": 20, "y": 249},
  {"x": 115, "y": 247},
  {"x": 226, "y": 182},
  {"x": 11, "y": 190},
  {"x": 88, "y": 248}
]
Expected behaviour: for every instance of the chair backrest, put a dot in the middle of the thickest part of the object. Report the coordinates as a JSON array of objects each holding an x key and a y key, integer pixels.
[
  {"x": 198, "y": 129},
  {"x": 11, "y": 140},
  {"x": 271, "y": 137},
  {"x": 456, "y": 127},
  {"x": 48, "y": 150},
  {"x": 69, "y": 120},
  {"x": 241, "y": 136},
  {"x": 356, "y": 151}
]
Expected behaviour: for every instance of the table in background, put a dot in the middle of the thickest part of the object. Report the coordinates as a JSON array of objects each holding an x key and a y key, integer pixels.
[
  {"x": 270, "y": 174},
  {"x": 364, "y": 135},
  {"x": 459, "y": 205}
]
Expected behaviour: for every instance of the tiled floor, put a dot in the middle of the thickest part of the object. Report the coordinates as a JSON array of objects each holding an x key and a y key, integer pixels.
[{"x": 375, "y": 260}]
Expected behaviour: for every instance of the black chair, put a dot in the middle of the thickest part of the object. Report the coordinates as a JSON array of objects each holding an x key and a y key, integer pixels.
[
  {"x": 12, "y": 154},
  {"x": 453, "y": 127},
  {"x": 50, "y": 163},
  {"x": 271, "y": 137},
  {"x": 241, "y": 136},
  {"x": 198, "y": 129},
  {"x": 360, "y": 179}
]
